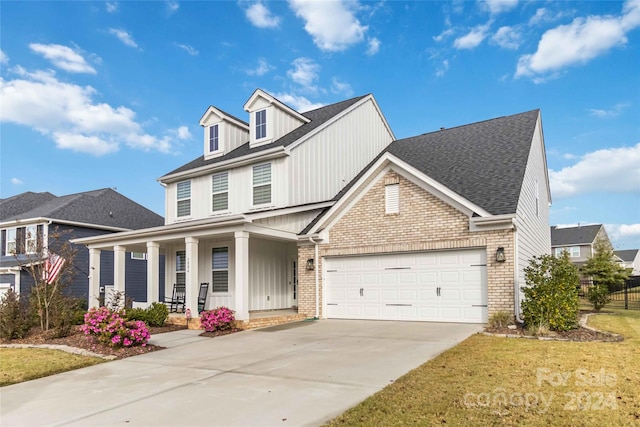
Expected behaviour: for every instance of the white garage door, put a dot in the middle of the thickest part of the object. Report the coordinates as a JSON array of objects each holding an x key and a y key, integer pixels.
[{"x": 448, "y": 286}]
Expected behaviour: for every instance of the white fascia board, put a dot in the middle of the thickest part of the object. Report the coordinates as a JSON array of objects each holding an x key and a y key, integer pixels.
[
  {"x": 40, "y": 220},
  {"x": 269, "y": 154},
  {"x": 223, "y": 116},
  {"x": 164, "y": 232},
  {"x": 271, "y": 233},
  {"x": 289, "y": 211},
  {"x": 338, "y": 117},
  {"x": 271, "y": 100},
  {"x": 495, "y": 222},
  {"x": 384, "y": 120}
]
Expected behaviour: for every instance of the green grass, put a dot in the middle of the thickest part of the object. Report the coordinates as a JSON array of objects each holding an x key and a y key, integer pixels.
[
  {"x": 24, "y": 364},
  {"x": 584, "y": 383}
]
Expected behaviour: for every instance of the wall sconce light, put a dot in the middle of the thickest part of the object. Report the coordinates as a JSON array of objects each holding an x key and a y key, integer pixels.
[
  {"x": 310, "y": 265},
  {"x": 500, "y": 256}
]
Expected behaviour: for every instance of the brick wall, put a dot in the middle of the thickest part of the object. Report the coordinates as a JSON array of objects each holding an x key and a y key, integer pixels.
[{"x": 423, "y": 223}]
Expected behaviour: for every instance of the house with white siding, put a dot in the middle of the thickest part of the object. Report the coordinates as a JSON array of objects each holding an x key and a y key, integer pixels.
[{"x": 325, "y": 213}]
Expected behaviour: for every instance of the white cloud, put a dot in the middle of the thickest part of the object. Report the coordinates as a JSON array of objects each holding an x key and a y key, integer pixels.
[
  {"x": 172, "y": 7},
  {"x": 181, "y": 133},
  {"x": 188, "y": 48},
  {"x": 579, "y": 42},
  {"x": 332, "y": 24},
  {"x": 68, "y": 114},
  {"x": 473, "y": 38},
  {"x": 341, "y": 88},
  {"x": 297, "y": 102},
  {"x": 442, "y": 70},
  {"x": 543, "y": 15},
  {"x": 63, "y": 57},
  {"x": 304, "y": 72},
  {"x": 16, "y": 181},
  {"x": 507, "y": 38},
  {"x": 111, "y": 6},
  {"x": 611, "y": 170},
  {"x": 4, "y": 59},
  {"x": 123, "y": 36},
  {"x": 374, "y": 46},
  {"x": 499, "y": 6},
  {"x": 260, "y": 16},
  {"x": 612, "y": 112},
  {"x": 261, "y": 69},
  {"x": 443, "y": 35}
]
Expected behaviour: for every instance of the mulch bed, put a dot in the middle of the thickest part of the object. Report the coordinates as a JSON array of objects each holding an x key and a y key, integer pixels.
[
  {"x": 79, "y": 340},
  {"x": 220, "y": 333}
]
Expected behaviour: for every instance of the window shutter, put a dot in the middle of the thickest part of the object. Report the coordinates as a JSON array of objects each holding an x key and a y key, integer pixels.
[
  {"x": 392, "y": 198},
  {"x": 3, "y": 241}
]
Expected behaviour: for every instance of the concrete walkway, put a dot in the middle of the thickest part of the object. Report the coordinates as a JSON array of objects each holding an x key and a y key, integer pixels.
[{"x": 291, "y": 375}]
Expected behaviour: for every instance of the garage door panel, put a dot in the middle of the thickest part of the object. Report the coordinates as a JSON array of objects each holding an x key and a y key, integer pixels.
[{"x": 428, "y": 286}]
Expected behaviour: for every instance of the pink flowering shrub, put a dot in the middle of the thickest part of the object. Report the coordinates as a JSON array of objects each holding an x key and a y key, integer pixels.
[
  {"x": 110, "y": 328},
  {"x": 219, "y": 319}
]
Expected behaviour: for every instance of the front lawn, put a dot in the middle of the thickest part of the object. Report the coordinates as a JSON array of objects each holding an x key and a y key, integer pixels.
[
  {"x": 24, "y": 364},
  {"x": 490, "y": 381}
]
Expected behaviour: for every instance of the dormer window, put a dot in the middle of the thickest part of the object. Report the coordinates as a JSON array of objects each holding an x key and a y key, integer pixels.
[
  {"x": 214, "y": 142},
  {"x": 261, "y": 124}
]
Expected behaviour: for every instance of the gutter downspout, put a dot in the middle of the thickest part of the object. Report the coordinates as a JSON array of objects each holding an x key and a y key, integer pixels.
[
  {"x": 516, "y": 287},
  {"x": 317, "y": 264}
]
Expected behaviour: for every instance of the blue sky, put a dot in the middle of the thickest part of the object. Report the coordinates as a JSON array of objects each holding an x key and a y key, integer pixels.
[{"x": 109, "y": 94}]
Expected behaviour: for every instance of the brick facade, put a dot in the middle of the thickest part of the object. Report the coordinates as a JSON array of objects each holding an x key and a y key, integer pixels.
[{"x": 424, "y": 223}]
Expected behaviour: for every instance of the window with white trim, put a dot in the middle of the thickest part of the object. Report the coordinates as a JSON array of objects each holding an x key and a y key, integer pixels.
[
  {"x": 573, "y": 251},
  {"x": 183, "y": 198},
  {"x": 181, "y": 267},
  {"x": 261, "y": 124},
  {"x": 214, "y": 141},
  {"x": 11, "y": 241},
  {"x": 220, "y": 269},
  {"x": 139, "y": 255},
  {"x": 392, "y": 198},
  {"x": 31, "y": 239},
  {"x": 262, "y": 184},
  {"x": 220, "y": 192}
]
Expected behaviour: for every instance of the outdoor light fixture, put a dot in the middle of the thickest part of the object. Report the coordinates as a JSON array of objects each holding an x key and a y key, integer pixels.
[
  {"x": 310, "y": 264},
  {"x": 500, "y": 257}
]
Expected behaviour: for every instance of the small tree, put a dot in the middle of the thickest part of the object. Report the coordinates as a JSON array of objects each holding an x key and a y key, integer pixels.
[
  {"x": 47, "y": 292},
  {"x": 606, "y": 275},
  {"x": 551, "y": 294}
]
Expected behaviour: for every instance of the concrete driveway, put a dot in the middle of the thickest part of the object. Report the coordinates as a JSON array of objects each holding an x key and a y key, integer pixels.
[{"x": 298, "y": 374}]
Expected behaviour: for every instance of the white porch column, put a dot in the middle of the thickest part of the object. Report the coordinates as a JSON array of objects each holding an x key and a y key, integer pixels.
[
  {"x": 94, "y": 277},
  {"x": 192, "y": 286},
  {"x": 242, "y": 275},
  {"x": 153, "y": 272},
  {"x": 118, "y": 268}
]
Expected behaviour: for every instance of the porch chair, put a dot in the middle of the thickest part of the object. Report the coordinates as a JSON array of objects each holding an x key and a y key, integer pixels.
[
  {"x": 177, "y": 300},
  {"x": 202, "y": 296}
]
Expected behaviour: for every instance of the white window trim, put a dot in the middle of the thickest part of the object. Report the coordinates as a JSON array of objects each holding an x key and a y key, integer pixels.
[
  {"x": 268, "y": 138},
  {"x": 222, "y": 211},
  {"x": 15, "y": 237},
  {"x": 178, "y": 200},
  {"x": 262, "y": 205},
  {"x": 34, "y": 239},
  {"x": 134, "y": 256},
  {"x": 266, "y": 134},
  {"x": 220, "y": 148},
  {"x": 392, "y": 199},
  {"x": 570, "y": 250},
  {"x": 221, "y": 293},
  {"x": 176, "y": 266}
]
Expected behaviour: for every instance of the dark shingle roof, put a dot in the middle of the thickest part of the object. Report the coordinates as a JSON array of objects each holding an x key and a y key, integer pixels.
[
  {"x": 317, "y": 117},
  {"x": 100, "y": 207},
  {"x": 483, "y": 162},
  {"x": 581, "y": 235},
  {"x": 628, "y": 255}
]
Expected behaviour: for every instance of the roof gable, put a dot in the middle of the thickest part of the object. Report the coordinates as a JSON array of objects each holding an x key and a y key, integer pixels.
[
  {"x": 261, "y": 99},
  {"x": 580, "y": 235},
  {"x": 627, "y": 255},
  {"x": 221, "y": 115}
]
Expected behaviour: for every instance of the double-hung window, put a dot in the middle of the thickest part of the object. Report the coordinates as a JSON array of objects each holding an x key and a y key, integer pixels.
[
  {"x": 184, "y": 198},
  {"x": 220, "y": 192},
  {"x": 214, "y": 142},
  {"x": 262, "y": 184},
  {"x": 11, "y": 241},
  {"x": 573, "y": 251},
  {"x": 31, "y": 239},
  {"x": 261, "y": 124},
  {"x": 181, "y": 267},
  {"x": 220, "y": 269}
]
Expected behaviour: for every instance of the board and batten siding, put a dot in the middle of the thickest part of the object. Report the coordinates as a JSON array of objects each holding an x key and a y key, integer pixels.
[
  {"x": 533, "y": 232},
  {"x": 294, "y": 223},
  {"x": 321, "y": 166}
]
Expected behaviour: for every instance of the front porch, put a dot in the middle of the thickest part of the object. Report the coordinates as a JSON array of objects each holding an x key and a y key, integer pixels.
[{"x": 257, "y": 319}]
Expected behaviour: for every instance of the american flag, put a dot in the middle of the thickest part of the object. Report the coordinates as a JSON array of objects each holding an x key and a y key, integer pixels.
[{"x": 52, "y": 267}]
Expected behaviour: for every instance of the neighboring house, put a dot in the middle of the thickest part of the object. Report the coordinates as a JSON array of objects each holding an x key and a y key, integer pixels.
[
  {"x": 629, "y": 258},
  {"x": 578, "y": 241},
  {"x": 31, "y": 217},
  {"x": 326, "y": 212}
]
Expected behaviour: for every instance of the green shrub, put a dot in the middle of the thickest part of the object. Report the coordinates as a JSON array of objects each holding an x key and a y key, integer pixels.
[
  {"x": 15, "y": 316},
  {"x": 65, "y": 312},
  {"x": 598, "y": 296},
  {"x": 157, "y": 314},
  {"x": 500, "y": 319},
  {"x": 551, "y": 294},
  {"x": 136, "y": 314}
]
